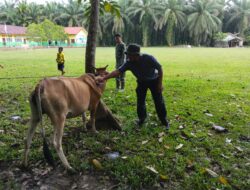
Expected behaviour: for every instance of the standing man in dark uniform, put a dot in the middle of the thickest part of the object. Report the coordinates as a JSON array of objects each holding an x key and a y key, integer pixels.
[
  {"x": 120, "y": 58},
  {"x": 149, "y": 75}
]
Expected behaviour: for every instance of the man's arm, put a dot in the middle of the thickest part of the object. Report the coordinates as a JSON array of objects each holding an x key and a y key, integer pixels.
[{"x": 113, "y": 74}]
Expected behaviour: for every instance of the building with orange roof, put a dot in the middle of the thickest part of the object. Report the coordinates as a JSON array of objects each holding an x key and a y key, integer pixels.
[
  {"x": 15, "y": 36},
  {"x": 12, "y": 35},
  {"x": 76, "y": 35}
]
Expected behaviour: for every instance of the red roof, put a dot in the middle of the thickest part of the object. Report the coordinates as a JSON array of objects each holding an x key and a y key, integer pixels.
[
  {"x": 73, "y": 30},
  {"x": 9, "y": 29}
]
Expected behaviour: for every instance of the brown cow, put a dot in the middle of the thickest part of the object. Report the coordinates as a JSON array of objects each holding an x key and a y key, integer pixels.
[{"x": 62, "y": 98}]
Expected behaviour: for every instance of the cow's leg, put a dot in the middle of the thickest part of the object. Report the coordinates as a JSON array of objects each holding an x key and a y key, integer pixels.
[
  {"x": 57, "y": 140},
  {"x": 92, "y": 120},
  {"x": 33, "y": 124},
  {"x": 84, "y": 121}
]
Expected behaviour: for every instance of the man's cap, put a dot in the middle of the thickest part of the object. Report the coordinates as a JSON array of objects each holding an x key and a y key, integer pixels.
[{"x": 133, "y": 49}]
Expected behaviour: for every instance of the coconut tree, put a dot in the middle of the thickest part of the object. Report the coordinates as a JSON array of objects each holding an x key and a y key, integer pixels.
[
  {"x": 34, "y": 13},
  {"x": 172, "y": 16},
  {"x": 72, "y": 13},
  {"x": 239, "y": 15},
  {"x": 146, "y": 11},
  {"x": 117, "y": 23},
  {"x": 8, "y": 12},
  {"x": 21, "y": 13},
  {"x": 90, "y": 55},
  {"x": 51, "y": 11},
  {"x": 202, "y": 20}
]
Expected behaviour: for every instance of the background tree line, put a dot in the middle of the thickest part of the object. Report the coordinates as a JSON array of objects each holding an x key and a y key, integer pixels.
[{"x": 147, "y": 22}]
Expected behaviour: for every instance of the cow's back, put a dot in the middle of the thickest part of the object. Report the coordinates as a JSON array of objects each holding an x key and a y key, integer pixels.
[{"x": 65, "y": 95}]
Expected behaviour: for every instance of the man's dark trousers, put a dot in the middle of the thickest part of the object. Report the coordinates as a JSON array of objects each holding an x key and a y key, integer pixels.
[{"x": 141, "y": 92}]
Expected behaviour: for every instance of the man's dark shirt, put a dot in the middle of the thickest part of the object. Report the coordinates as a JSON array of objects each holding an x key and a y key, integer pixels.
[{"x": 147, "y": 68}]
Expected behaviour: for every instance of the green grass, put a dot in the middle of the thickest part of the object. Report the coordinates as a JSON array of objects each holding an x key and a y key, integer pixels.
[{"x": 196, "y": 81}]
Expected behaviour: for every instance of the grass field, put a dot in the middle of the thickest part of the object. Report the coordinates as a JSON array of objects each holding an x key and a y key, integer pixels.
[{"x": 201, "y": 86}]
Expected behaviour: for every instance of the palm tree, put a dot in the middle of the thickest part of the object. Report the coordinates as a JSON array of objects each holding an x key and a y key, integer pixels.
[
  {"x": 118, "y": 22},
  {"x": 202, "y": 20},
  {"x": 51, "y": 11},
  {"x": 172, "y": 16},
  {"x": 72, "y": 13},
  {"x": 8, "y": 12},
  {"x": 146, "y": 10},
  {"x": 21, "y": 16},
  {"x": 239, "y": 15},
  {"x": 34, "y": 13}
]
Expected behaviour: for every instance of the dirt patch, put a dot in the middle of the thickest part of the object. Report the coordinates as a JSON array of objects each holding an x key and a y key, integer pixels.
[{"x": 47, "y": 178}]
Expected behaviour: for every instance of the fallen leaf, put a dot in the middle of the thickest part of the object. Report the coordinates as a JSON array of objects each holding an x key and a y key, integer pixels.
[
  {"x": 161, "y": 134},
  {"x": 220, "y": 129},
  {"x": 209, "y": 114},
  {"x": 152, "y": 169},
  {"x": 228, "y": 141},
  {"x": 181, "y": 127},
  {"x": 96, "y": 164},
  {"x": 144, "y": 142},
  {"x": 190, "y": 164},
  {"x": 163, "y": 177},
  {"x": 124, "y": 157},
  {"x": 223, "y": 180},
  {"x": 167, "y": 146},
  {"x": 177, "y": 117},
  {"x": 224, "y": 156},
  {"x": 107, "y": 148},
  {"x": 74, "y": 186},
  {"x": 193, "y": 134},
  {"x": 210, "y": 134},
  {"x": 179, "y": 147},
  {"x": 239, "y": 148},
  {"x": 2, "y": 144},
  {"x": 212, "y": 173},
  {"x": 161, "y": 154}
]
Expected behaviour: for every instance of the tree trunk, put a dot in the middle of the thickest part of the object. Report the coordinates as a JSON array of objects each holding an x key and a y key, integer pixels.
[
  {"x": 92, "y": 36},
  {"x": 104, "y": 117}
]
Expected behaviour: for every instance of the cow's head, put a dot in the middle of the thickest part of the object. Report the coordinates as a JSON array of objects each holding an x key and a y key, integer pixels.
[{"x": 101, "y": 71}]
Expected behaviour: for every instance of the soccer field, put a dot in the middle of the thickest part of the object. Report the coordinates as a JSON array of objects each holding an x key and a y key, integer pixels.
[{"x": 202, "y": 86}]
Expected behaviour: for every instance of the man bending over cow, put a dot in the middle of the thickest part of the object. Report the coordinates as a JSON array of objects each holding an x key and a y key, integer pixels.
[{"x": 149, "y": 75}]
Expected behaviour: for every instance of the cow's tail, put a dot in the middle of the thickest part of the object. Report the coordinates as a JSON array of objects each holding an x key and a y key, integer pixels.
[{"x": 46, "y": 151}]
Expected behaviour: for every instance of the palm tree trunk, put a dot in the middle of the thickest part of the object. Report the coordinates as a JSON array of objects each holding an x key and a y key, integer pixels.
[
  {"x": 145, "y": 36},
  {"x": 170, "y": 31},
  {"x": 92, "y": 36},
  {"x": 103, "y": 112}
]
